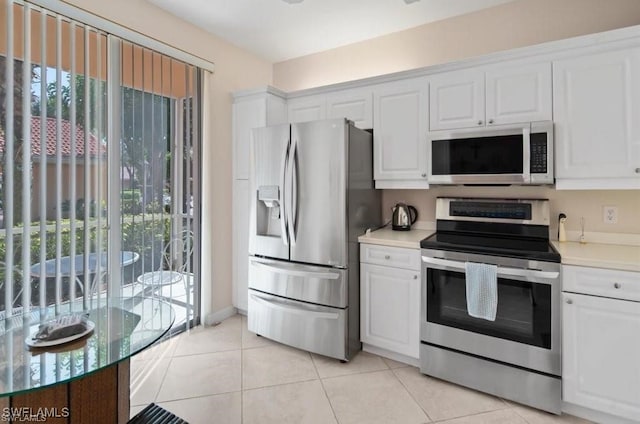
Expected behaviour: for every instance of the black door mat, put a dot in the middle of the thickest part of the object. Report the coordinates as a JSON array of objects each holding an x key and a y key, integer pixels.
[{"x": 153, "y": 414}]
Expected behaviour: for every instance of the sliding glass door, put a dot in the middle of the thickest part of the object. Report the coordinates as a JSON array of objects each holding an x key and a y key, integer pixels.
[
  {"x": 99, "y": 142},
  {"x": 157, "y": 166}
]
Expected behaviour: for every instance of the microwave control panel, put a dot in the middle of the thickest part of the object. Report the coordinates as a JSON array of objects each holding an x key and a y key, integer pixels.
[{"x": 538, "y": 149}]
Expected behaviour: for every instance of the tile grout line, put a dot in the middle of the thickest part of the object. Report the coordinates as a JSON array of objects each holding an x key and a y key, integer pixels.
[
  {"x": 164, "y": 375},
  {"x": 445, "y": 420},
  {"x": 519, "y": 414},
  {"x": 196, "y": 397},
  {"x": 324, "y": 390},
  {"x": 411, "y": 395},
  {"x": 242, "y": 324}
]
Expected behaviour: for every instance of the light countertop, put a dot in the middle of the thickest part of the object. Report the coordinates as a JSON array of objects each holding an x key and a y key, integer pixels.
[
  {"x": 600, "y": 255},
  {"x": 388, "y": 237},
  {"x": 597, "y": 255}
]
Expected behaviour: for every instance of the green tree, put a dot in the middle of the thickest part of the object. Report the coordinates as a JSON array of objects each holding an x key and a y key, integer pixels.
[
  {"x": 18, "y": 143},
  {"x": 145, "y": 141},
  {"x": 97, "y": 94}
]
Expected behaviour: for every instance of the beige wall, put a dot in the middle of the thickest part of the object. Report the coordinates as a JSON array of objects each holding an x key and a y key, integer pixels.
[
  {"x": 575, "y": 204},
  {"x": 235, "y": 70},
  {"x": 516, "y": 24}
]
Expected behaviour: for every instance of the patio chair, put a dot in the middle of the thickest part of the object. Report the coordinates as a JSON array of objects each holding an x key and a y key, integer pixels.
[
  {"x": 16, "y": 273},
  {"x": 173, "y": 266}
]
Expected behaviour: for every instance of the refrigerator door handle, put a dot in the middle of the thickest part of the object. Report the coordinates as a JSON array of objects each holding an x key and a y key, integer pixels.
[
  {"x": 292, "y": 206},
  {"x": 299, "y": 310},
  {"x": 283, "y": 176},
  {"x": 297, "y": 273}
]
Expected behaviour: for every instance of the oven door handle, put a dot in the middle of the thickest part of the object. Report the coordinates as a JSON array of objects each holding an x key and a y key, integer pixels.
[{"x": 514, "y": 272}]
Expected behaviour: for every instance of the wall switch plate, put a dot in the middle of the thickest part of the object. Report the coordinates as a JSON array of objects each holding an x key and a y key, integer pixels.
[{"x": 610, "y": 215}]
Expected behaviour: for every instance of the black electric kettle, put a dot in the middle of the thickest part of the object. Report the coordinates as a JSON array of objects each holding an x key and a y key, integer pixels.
[{"x": 403, "y": 216}]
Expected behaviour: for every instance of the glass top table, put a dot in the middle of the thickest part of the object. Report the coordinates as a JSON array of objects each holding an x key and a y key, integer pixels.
[{"x": 123, "y": 327}]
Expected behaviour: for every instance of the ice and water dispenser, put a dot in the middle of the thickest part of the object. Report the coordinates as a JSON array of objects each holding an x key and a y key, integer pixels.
[{"x": 268, "y": 211}]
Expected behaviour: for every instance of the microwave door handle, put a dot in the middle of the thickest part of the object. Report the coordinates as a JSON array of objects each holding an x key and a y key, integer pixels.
[
  {"x": 447, "y": 264},
  {"x": 283, "y": 216},
  {"x": 526, "y": 154}
]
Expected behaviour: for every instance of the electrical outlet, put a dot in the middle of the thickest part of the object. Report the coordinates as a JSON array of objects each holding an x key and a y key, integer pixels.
[{"x": 610, "y": 215}]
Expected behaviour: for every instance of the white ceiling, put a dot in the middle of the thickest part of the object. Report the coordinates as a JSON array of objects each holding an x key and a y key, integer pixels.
[{"x": 278, "y": 31}]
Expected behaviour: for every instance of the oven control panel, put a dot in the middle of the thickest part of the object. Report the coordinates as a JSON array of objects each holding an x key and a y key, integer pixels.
[{"x": 495, "y": 210}]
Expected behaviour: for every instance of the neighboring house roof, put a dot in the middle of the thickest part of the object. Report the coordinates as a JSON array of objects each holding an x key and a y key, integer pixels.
[{"x": 95, "y": 147}]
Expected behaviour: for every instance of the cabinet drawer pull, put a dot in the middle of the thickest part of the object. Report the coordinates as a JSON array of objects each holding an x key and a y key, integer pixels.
[
  {"x": 491, "y": 121},
  {"x": 616, "y": 285},
  {"x": 479, "y": 122},
  {"x": 424, "y": 175},
  {"x": 415, "y": 277},
  {"x": 387, "y": 256},
  {"x": 569, "y": 301},
  {"x": 637, "y": 170}
]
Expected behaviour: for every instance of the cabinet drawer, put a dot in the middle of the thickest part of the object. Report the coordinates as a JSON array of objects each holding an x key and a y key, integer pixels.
[
  {"x": 601, "y": 282},
  {"x": 390, "y": 256}
]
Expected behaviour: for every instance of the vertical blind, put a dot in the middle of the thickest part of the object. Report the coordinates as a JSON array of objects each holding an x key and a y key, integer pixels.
[
  {"x": 52, "y": 142},
  {"x": 98, "y": 175}
]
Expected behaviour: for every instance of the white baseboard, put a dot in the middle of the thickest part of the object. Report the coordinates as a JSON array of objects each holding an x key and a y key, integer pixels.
[
  {"x": 220, "y": 315},
  {"x": 398, "y": 357},
  {"x": 595, "y": 416}
]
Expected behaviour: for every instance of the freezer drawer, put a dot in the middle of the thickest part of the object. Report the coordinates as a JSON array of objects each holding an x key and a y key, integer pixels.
[
  {"x": 314, "y": 328},
  {"x": 320, "y": 285}
]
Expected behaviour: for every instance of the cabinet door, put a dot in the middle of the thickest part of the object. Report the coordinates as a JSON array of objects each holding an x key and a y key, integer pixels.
[
  {"x": 240, "y": 243},
  {"x": 355, "y": 105},
  {"x": 247, "y": 114},
  {"x": 456, "y": 100},
  {"x": 596, "y": 103},
  {"x": 276, "y": 111},
  {"x": 601, "y": 348},
  {"x": 390, "y": 308},
  {"x": 304, "y": 109},
  {"x": 517, "y": 94},
  {"x": 400, "y": 130}
]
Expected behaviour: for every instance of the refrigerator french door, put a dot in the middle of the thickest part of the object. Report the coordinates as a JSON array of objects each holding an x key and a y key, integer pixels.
[
  {"x": 299, "y": 182},
  {"x": 303, "y": 273}
]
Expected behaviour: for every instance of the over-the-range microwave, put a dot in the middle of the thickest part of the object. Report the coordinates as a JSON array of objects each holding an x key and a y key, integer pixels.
[{"x": 500, "y": 154}]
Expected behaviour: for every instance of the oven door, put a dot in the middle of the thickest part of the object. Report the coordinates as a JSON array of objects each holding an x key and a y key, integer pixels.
[{"x": 526, "y": 331}]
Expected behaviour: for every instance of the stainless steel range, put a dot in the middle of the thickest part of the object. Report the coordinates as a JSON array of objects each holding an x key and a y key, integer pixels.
[{"x": 517, "y": 355}]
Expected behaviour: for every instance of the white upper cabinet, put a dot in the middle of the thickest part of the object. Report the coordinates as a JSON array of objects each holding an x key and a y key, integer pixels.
[
  {"x": 308, "y": 108},
  {"x": 400, "y": 111},
  {"x": 517, "y": 94},
  {"x": 500, "y": 94},
  {"x": 456, "y": 100},
  {"x": 249, "y": 112},
  {"x": 354, "y": 104},
  {"x": 596, "y": 101}
]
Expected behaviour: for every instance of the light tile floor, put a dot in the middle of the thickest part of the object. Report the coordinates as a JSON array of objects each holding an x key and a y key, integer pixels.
[{"x": 226, "y": 374}]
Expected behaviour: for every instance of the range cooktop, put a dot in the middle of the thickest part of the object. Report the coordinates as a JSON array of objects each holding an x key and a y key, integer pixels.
[{"x": 534, "y": 249}]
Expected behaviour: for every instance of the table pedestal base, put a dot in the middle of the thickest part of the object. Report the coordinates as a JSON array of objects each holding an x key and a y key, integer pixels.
[{"x": 100, "y": 397}]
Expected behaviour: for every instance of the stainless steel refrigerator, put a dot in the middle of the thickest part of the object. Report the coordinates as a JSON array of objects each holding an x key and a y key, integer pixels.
[{"x": 312, "y": 195}]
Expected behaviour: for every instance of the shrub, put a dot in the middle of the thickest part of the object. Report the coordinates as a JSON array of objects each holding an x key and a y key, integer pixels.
[{"x": 131, "y": 201}]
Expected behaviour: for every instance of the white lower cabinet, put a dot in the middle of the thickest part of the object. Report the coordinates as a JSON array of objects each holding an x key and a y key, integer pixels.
[
  {"x": 601, "y": 354},
  {"x": 390, "y": 307}
]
